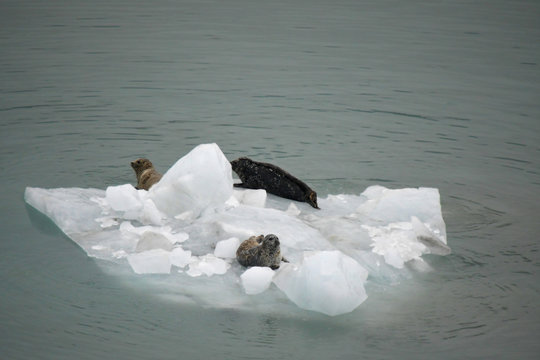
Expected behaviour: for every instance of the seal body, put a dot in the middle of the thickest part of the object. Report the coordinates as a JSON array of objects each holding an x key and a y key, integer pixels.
[
  {"x": 260, "y": 251},
  {"x": 146, "y": 174},
  {"x": 258, "y": 175}
]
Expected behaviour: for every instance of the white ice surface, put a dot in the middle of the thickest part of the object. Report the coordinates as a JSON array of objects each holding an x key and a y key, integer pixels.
[
  {"x": 190, "y": 224},
  {"x": 325, "y": 281},
  {"x": 256, "y": 279},
  {"x": 226, "y": 249}
]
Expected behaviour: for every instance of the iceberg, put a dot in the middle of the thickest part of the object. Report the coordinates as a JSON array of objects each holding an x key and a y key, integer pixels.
[{"x": 188, "y": 226}]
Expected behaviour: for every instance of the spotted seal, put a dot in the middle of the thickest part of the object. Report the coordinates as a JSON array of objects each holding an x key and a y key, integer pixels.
[
  {"x": 259, "y": 175},
  {"x": 260, "y": 251},
  {"x": 146, "y": 174}
]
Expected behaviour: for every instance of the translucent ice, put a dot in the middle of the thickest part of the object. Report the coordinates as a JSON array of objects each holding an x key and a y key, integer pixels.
[
  {"x": 180, "y": 257},
  {"x": 227, "y": 248},
  {"x": 155, "y": 261},
  {"x": 192, "y": 222},
  {"x": 132, "y": 204},
  {"x": 199, "y": 181},
  {"x": 208, "y": 265},
  {"x": 257, "y": 279},
  {"x": 123, "y": 198},
  {"x": 324, "y": 281},
  {"x": 251, "y": 197}
]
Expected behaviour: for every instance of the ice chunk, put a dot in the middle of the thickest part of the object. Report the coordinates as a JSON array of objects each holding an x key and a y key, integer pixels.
[
  {"x": 181, "y": 257},
  {"x": 325, "y": 281},
  {"x": 396, "y": 242},
  {"x": 155, "y": 261},
  {"x": 254, "y": 198},
  {"x": 392, "y": 206},
  {"x": 152, "y": 240},
  {"x": 251, "y": 197},
  {"x": 293, "y": 210},
  {"x": 227, "y": 248},
  {"x": 151, "y": 237},
  {"x": 123, "y": 198},
  {"x": 150, "y": 213},
  {"x": 199, "y": 181},
  {"x": 132, "y": 204},
  {"x": 208, "y": 265},
  {"x": 256, "y": 279}
]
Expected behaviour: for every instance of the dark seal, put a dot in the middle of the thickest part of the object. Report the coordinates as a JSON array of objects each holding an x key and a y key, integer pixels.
[
  {"x": 258, "y": 175},
  {"x": 260, "y": 251},
  {"x": 146, "y": 174}
]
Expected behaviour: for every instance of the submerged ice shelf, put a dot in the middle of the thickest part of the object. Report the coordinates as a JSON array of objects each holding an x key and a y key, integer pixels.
[{"x": 190, "y": 224}]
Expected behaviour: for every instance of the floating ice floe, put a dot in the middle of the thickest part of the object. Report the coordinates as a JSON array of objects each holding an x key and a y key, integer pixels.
[{"x": 189, "y": 225}]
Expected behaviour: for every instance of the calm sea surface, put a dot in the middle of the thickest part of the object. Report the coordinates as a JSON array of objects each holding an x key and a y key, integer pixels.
[{"x": 344, "y": 94}]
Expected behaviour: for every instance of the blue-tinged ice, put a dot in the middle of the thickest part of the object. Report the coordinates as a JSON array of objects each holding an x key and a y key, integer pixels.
[{"x": 189, "y": 225}]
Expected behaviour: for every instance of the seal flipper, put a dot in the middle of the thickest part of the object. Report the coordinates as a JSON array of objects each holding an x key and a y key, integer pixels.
[
  {"x": 240, "y": 185},
  {"x": 284, "y": 260}
]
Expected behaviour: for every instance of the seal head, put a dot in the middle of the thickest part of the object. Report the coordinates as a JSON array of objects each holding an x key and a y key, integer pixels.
[{"x": 145, "y": 172}]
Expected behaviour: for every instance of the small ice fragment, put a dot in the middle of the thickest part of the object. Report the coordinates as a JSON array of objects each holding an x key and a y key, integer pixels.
[
  {"x": 232, "y": 202},
  {"x": 227, "y": 248},
  {"x": 181, "y": 257},
  {"x": 208, "y": 265},
  {"x": 256, "y": 279},
  {"x": 194, "y": 272},
  {"x": 293, "y": 210},
  {"x": 155, "y": 261},
  {"x": 153, "y": 240},
  {"x": 107, "y": 221},
  {"x": 177, "y": 238},
  {"x": 255, "y": 198},
  {"x": 120, "y": 254},
  {"x": 150, "y": 213},
  {"x": 123, "y": 198}
]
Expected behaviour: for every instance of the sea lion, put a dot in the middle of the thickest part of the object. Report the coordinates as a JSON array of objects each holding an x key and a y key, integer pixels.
[
  {"x": 258, "y": 175},
  {"x": 146, "y": 174},
  {"x": 260, "y": 251}
]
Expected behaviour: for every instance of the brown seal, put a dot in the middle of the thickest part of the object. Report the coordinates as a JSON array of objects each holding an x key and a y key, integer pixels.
[
  {"x": 260, "y": 251},
  {"x": 273, "y": 179},
  {"x": 146, "y": 174}
]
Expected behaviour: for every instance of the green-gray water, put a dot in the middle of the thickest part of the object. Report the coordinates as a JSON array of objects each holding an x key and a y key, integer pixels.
[{"x": 345, "y": 94}]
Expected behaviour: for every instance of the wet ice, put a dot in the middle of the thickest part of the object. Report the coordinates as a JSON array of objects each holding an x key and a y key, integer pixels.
[{"x": 192, "y": 222}]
